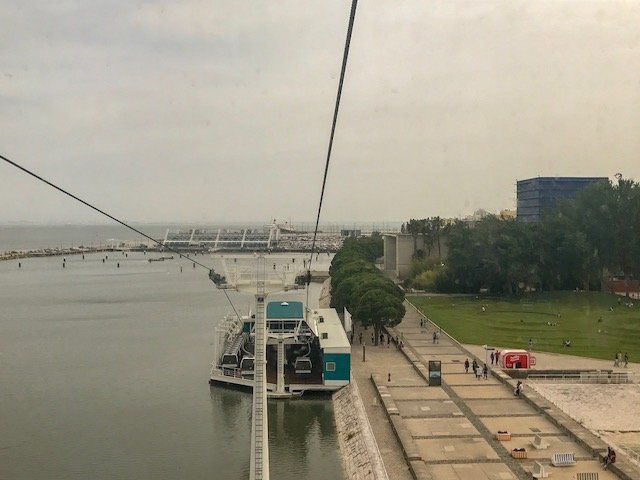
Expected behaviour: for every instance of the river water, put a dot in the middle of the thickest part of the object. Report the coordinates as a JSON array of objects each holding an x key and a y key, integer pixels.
[{"x": 103, "y": 375}]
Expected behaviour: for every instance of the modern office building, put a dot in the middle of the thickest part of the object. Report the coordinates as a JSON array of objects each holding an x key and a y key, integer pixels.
[{"x": 537, "y": 194}]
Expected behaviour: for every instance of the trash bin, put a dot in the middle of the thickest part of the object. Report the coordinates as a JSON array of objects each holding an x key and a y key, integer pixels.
[{"x": 435, "y": 373}]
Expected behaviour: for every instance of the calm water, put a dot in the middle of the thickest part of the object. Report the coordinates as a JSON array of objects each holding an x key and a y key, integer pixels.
[{"x": 103, "y": 374}]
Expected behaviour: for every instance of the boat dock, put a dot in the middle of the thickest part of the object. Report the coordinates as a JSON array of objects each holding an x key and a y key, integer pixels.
[{"x": 81, "y": 250}]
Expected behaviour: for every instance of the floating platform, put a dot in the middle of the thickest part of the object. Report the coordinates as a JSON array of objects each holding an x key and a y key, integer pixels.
[{"x": 306, "y": 351}]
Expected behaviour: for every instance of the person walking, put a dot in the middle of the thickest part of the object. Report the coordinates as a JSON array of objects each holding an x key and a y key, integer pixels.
[
  {"x": 466, "y": 366},
  {"x": 485, "y": 371},
  {"x": 626, "y": 359},
  {"x": 492, "y": 356},
  {"x": 478, "y": 372}
]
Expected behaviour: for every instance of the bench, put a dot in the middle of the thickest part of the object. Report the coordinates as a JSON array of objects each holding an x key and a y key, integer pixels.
[
  {"x": 519, "y": 453},
  {"x": 539, "y": 471},
  {"x": 563, "y": 459},
  {"x": 538, "y": 443},
  {"x": 587, "y": 476}
]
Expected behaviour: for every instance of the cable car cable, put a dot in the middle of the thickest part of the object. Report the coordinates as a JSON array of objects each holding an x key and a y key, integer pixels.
[
  {"x": 20, "y": 167},
  {"x": 345, "y": 56}
]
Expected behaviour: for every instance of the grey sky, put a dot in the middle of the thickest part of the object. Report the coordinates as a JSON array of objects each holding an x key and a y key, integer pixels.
[{"x": 204, "y": 111}]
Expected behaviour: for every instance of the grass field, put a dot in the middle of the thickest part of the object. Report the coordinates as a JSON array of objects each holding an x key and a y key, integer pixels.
[{"x": 548, "y": 318}]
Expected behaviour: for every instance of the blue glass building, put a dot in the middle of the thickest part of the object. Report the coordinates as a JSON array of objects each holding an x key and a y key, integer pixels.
[{"x": 537, "y": 194}]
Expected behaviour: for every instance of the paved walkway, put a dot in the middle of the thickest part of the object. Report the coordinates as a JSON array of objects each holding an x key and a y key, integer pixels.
[
  {"x": 449, "y": 432},
  {"x": 378, "y": 362},
  {"x": 611, "y": 411}
]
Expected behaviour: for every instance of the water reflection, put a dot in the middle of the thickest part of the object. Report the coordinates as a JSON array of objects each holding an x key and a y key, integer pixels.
[
  {"x": 231, "y": 424},
  {"x": 302, "y": 439}
]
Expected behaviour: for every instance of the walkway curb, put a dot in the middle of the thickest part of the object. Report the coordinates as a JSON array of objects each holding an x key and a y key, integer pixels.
[{"x": 361, "y": 456}]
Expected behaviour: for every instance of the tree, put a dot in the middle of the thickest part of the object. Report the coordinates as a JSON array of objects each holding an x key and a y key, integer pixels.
[
  {"x": 353, "y": 279},
  {"x": 342, "y": 295},
  {"x": 436, "y": 227},
  {"x": 414, "y": 228},
  {"x": 350, "y": 269},
  {"x": 379, "y": 308}
]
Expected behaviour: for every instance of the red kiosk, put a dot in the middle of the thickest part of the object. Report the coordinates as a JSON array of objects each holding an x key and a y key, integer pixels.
[{"x": 513, "y": 358}]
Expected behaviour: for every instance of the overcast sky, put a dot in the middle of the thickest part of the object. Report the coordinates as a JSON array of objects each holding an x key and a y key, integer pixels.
[{"x": 214, "y": 111}]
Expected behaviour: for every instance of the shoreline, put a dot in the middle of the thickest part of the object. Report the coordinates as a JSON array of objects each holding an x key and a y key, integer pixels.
[
  {"x": 137, "y": 247},
  {"x": 58, "y": 251}
]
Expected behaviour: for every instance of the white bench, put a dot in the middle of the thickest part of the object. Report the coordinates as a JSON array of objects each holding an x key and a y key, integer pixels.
[
  {"x": 538, "y": 443},
  {"x": 587, "y": 476},
  {"x": 563, "y": 459},
  {"x": 539, "y": 471}
]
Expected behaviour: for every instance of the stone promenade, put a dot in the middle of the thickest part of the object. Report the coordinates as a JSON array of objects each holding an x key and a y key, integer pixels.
[{"x": 448, "y": 432}]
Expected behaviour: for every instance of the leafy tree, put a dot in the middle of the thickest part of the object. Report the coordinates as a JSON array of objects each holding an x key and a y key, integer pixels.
[
  {"x": 343, "y": 293},
  {"x": 354, "y": 277},
  {"x": 378, "y": 308},
  {"x": 414, "y": 228},
  {"x": 575, "y": 242}
]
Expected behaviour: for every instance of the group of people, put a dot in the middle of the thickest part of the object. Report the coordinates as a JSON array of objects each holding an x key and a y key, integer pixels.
[
  {"x": 478, "y": 370},
  {"x": 619, "y": 359},
  {"x": 610, "y": 458},
  {"x": 495, "y": 357}
]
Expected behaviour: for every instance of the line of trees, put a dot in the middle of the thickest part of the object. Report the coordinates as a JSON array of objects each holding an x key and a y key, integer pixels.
[
  {"x": 429, "y": 230},
  {"x": 578, "y": 241},
  {"x": 360, "y": 287}
]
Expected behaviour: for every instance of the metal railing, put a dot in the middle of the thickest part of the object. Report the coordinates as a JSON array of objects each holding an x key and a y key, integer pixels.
[{"x": 602, "y": 377}]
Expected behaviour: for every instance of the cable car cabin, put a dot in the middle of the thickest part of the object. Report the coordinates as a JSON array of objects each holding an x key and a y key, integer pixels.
[
  {"x": 231, "y": 355},
  {"x": 247, "y": 365},
  {"x": 303, "y": 365},
  {"x": 229, "y": 360}
]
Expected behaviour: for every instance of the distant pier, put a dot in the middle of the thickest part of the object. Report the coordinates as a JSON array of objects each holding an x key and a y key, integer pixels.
[{"x": 81, "y": 250}]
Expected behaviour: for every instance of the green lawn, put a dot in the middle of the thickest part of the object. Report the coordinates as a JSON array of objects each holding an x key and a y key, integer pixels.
[{"x": 585, "y": 318}]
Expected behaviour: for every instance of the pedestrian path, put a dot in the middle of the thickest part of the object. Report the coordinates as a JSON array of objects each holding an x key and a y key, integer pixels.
[{"x": 449, "y": 432}]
